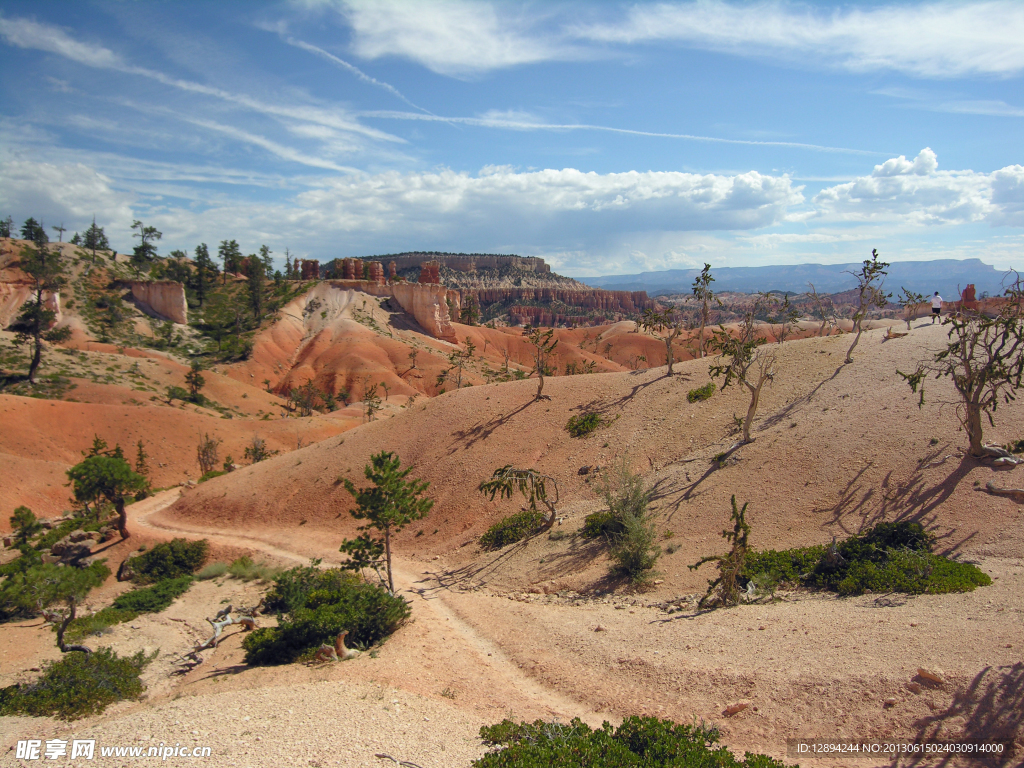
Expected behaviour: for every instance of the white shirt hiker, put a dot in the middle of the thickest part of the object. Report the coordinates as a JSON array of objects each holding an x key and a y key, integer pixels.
[{"x": 936, "y": 301}]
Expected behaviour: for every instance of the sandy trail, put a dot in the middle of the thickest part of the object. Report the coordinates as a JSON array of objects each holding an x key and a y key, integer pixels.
[{"x": 498, "y": 681}]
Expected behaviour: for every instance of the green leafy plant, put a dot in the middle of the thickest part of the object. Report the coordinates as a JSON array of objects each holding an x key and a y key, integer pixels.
[
  {"x": 245, "y": 569},
  {"x": 314, "y": 607},
  {"x": 632, "y": 538},
  {"x": 889, "y": 557},
  {"x": 169, "y": 560},
  {"x": 504, "y": 482},
  {"x": 701, "y": 393},
  {"x": 390, "y": 504},
  {"x": 725, "y": 590},
  {"x": 77, "y": 685},
  {"x": 511, "y": 529},
  {"x": 107, "y": 478},
  {"x": 155, "y": 598},
  {"x": 583, "y": 424},
  {"x": 640, "y": 742}
]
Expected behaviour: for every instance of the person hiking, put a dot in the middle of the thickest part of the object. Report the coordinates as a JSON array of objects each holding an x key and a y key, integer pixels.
[{"x": 936, "y": 306}]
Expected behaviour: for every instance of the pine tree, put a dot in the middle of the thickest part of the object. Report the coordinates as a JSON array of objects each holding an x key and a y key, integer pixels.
[
  {"x": 6, "y": 227},
  {"x": 256, "y": 281},
  {"x": 203, "y": 271},
  {"x": 145, "y": 251},
  {"x": 231, "y": 257},
  {"x": 34, "y": 231},
  {"x": 95, "y": 239},
  {"x": 45, "y": 268},
  {"x": 390, "y": 504},
  {"x": 268, "y": 263}
]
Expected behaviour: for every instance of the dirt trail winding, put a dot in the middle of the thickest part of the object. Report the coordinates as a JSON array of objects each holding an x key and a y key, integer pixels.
[{"x": 489, "y": 677}]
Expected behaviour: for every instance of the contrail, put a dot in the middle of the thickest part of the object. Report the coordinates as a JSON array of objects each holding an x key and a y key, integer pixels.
[
  {"x": 355, "y": 71},
  {"x": 523, "y": 125}
]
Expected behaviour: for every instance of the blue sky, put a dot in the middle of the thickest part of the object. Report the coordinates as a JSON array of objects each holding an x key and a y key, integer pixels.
[{"x": 605, "y": 137}]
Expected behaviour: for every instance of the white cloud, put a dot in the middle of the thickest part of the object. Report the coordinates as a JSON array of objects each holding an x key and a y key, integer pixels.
[
  {"x": 917, "y": 192},
  {"x": 62, "y": 193},
  {"x": 937, "y": 39},
  {"x": 451, "y": 37},
  {"x": 30, "y": 34}
]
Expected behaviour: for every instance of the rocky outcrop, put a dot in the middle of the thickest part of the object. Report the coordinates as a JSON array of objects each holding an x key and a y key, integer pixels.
[
  {"x": 540, "y": 316},
  {"x": 164, "y": 299},
  {"x": 469, "y": 262},
  {"x": 602, "y": 301},
  {"x": 14, "y": 295},
  {"x": 428, "y": 304}
]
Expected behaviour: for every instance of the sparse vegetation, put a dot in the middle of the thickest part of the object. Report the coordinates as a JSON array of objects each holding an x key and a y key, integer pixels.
[
  {"x": 504, "y": 482},
  {"x": 745, "y": 361},
  {"x": 984, "y": 358},
  {"x": 725, "y": 590},
  {"x": 314, "y": 606},
  {"x": 583, "y": 424},
  {"x": 632, "y": 538},
  {"x": 390, "y": 504},
  {"x": 169, "y": 560},
  {"x": 512, "y": 529},
  {"x": 643, "y": 742},
  {"x": 77, "y": 685},
  {"x": 889, "y": 557},
  {"x": 869, "y": 294},
  {"x": 701, "y": 393}
]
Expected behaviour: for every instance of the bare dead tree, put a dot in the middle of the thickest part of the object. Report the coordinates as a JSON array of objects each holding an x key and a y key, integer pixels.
[
  {"x": 664, "y": 326},
  {"x": 825, "y": 309},
  {"x": 745, "y": 361},
  {"x": 869, "y": 294},
  {"x": 984, "y": 358}
]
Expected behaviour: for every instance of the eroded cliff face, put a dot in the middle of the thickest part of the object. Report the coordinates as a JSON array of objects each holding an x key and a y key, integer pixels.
[
  {"x": 16, "y": 287},
  {"x": 163, "y": 298},
  {"x": 428, "y": 304},
  {"x": 14, "y": 295},
  {"x": 607, "y": 301}
]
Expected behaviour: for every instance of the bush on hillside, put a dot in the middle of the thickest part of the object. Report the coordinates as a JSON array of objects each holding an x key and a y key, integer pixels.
[
  {"x": 318, "y": 608},
  {"x": 889, "y": 557},
  {"x": 701, "y": 393},
  {"x": 511, "y": 529},
  {"x": 77, "y": 685},
  {"x": 583, "y": 424},
  {"x": 169, "y": 560},
  {"x": 643, "y": 742},
  {"x": 155, "y": 598}
]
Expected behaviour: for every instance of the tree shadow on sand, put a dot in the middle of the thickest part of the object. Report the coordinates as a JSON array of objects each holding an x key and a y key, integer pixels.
[
  {"x": 466, "y": 438},
  {"x": 861, "y": 506},
  {"x": 989, "y": 710}
]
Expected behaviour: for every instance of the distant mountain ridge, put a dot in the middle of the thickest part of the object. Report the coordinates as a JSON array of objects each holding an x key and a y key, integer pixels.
[{"x": 947, "y": 276}]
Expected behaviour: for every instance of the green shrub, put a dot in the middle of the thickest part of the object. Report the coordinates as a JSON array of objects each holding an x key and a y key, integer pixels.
[
  {"x": 601, "y": 523},
  {"x": 212, "y": 571},
  {"x": 96, "y": 623},
  {"x": 155, "y": 598},
  {"x": 583, "y": 424},
  {"x": 701, "y": 393},
  {"x": 633, "y": 547},
  {"x": 369, "y": 612},
  {"x": 511, "y": 529},
  {"x": 889, "y": 557},
  {"x": 212, "y": 474},
  {"x": 643, "y": 742},
  {"x": 292, "y": 587},
  {"x": 77, "y": 685},
  {"x": 169, "y": 560}
]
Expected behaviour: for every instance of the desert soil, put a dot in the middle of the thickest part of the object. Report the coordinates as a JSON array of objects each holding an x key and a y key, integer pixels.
[{"x": 540, "y": 630}]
